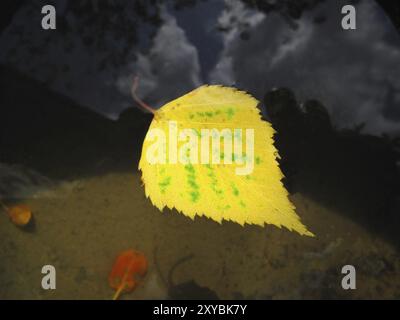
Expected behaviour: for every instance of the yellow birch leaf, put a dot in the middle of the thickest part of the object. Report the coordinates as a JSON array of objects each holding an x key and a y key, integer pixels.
[{"x": 240, "y": 181}]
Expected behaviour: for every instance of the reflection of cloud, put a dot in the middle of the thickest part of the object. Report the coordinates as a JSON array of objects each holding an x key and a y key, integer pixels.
[
  {"x": 351, "y": 72},
  {"x": 348, "y": 71},
  {"x": 170, "y": 69},
  {"x": 69, "y": 66},
  {"x": 234, "y": 11},
  {"x": 61, "y": 60},
  {"x": 295, "y": 41}
]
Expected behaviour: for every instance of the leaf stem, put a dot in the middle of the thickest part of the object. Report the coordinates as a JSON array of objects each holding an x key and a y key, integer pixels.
[
  {"x": 119, "y": 290},
  {"x": 137, "y": 99}
]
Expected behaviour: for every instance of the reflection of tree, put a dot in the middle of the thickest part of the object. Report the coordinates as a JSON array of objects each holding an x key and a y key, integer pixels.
[
  {"x": 290, "y": 10},
  {"x": 352, "y": 172},
  {"x": 293, "y": 9},
  {"x": 110, "y": 28}
]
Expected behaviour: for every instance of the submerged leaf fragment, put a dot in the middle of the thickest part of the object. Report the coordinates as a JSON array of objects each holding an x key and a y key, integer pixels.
[{"x": 129, "y": 268}]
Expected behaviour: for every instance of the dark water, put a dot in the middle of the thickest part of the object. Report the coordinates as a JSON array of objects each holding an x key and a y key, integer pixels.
[
  {"x": 95, "y": 51},
  {"x": 71, "y": 139}
]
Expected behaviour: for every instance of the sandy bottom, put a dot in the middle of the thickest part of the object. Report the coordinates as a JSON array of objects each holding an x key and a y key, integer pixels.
[{"x": 81, "y": 226}]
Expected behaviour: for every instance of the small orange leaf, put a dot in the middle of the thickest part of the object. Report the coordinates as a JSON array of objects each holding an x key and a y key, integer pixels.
[
  {"x": 129, "y": 267},
  {"x": 20, "y": 214}
]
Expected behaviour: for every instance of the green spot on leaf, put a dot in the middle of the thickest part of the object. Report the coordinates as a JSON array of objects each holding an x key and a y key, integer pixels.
[
  {"x": 163, "y": 184},
  {"x": 230, "y": 113},
  {"x": 191, "y": 180},
  {"x": 235, "y": 190},
  {"x": 194, "y": 196}
]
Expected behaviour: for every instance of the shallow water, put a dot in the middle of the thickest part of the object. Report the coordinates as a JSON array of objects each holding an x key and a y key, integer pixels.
[{"x": 70, "y": 144}]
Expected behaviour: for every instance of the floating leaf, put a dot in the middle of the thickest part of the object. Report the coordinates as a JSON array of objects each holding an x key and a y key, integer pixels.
[
  {"x": 19, "y": 214},
  {"x": 129, "y": 267},
  {"x": 242, "y": 185}
]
